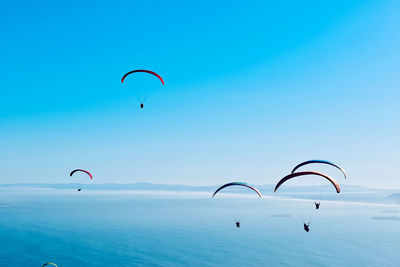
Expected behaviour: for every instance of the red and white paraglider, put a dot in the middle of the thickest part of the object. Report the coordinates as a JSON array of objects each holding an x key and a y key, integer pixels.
[{"x": 143, "y": 71}]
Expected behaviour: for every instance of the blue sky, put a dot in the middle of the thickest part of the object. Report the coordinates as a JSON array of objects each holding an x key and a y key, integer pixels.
[{"x": 250, "y": 90}]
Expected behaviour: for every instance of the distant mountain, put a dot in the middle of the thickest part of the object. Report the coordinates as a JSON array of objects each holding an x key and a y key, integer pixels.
[
  {"x": 143, "y": 186},
  {"x": 349, "y": 192},
  {"x": 111, "y": 186},
  {"x": 320, "y": 189},
  {"x": 394, "y": 198}
]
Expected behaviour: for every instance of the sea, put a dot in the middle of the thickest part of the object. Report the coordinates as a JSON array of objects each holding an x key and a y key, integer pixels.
[{"x": 156, "y": 228}]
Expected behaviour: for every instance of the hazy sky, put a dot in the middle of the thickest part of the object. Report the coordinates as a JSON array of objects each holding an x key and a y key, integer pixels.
[{"x": 250, "y": 90}]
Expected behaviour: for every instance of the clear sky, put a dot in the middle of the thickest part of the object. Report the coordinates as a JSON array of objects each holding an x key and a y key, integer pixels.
[{"x": 251, "y": 89}]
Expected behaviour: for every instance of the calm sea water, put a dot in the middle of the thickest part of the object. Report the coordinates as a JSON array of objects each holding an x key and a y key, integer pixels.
[{"x": 177, "y": 229}]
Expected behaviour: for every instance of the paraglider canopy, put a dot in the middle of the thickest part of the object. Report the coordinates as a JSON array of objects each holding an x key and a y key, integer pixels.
[
  {"x": 321, "y": 162},
  {"x": 145, "y": 71},
  {"x": 80, "y": 170},
  {"x": 237, "y": 184},
  {"x": 49, "y": 263},
  {"x": 293, "y": 175}
]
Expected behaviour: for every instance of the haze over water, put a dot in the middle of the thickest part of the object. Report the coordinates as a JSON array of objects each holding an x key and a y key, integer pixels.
[{"x": 189, "y": 229}]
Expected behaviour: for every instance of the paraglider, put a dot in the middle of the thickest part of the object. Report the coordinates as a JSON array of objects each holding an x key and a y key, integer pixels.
[
  {"x": 317, "y": 205},
  {"x": 238, "y": 184},
  {"x": 144, "y": 71},
  {"x": 321, "y": 162},
  {"x": 80, "y": 170},
  {"x": 296, "y": 174},
  {"x": 237, "y": 222},
  {"x": 307, "y": 227},
  {"x": 49, "y": 263}
]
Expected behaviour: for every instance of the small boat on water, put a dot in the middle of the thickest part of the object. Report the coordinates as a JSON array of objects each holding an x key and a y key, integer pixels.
[{"x": 386, "y": 218}]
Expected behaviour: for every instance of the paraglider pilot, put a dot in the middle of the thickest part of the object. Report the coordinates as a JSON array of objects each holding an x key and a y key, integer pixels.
[
  {"x": 141, "y": 105},
  {"x": 307, "y": 227},
  {"x": 237, "y": 224},
  {"x": 317, "y": 205}
]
